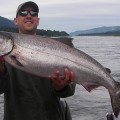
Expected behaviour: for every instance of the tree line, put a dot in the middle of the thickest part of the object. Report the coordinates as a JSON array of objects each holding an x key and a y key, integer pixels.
[
  {"x": 110, "y": 33},
  {"x": 42, "y": 32}
]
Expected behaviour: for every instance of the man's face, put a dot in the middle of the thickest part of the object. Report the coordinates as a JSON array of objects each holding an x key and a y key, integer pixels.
[{"x": 27, "y": 23}]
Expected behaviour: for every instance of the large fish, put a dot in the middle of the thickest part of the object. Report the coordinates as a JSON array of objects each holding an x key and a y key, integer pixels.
[{"x": 42, "y": 56}]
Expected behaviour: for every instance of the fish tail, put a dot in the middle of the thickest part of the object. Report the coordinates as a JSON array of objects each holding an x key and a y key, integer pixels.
[{"x": 115, "y": 99}]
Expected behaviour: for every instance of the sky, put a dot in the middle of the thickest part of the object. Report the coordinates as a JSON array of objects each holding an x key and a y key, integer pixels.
[{"x": 69, "y": 15}]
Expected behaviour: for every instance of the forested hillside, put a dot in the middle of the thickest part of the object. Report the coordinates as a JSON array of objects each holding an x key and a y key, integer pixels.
[{"x": 8, "y": 25}]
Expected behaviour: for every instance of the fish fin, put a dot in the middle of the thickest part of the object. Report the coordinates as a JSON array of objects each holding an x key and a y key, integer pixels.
[
  {"x": 65, "y": 40},
  {"x": 16, "y": 61},
  {"x": 108, "y": 70},
  {"x": 89, "y": 86},
  {"x": 115, "y": 99}
]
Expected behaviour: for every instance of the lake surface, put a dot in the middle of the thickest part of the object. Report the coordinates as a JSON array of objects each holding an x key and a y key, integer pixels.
[{"x": 94, "y": 105}]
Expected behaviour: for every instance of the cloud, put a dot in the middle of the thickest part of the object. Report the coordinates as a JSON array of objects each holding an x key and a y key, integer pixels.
[{"x": 70, "y": 15}]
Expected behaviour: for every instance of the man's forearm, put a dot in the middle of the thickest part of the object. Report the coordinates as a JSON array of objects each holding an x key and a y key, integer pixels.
[{"x": 67, "y": 91}]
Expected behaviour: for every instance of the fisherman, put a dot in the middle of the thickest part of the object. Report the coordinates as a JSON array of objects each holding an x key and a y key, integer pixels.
[{"x": 29, "y": 97}]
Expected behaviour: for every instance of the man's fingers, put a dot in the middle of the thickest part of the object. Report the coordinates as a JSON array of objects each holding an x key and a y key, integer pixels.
[
  {"x": 72, "y": 76},
  {"x": 56, "y": 77},
  {"x": 57, "y": 73},
  {"x": 67, "y": 74}
]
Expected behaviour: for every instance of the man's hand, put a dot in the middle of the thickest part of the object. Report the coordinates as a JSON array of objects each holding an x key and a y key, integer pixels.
[
  {"x": 59, "y": 82},
  {"x": 2, "y": 67}
]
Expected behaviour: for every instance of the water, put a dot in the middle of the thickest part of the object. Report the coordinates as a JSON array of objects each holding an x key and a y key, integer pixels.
[{"x": 94, "y": 105}]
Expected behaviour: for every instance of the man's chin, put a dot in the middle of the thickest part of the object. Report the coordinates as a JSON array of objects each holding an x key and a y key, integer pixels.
[{"x": 29, "y": 29}]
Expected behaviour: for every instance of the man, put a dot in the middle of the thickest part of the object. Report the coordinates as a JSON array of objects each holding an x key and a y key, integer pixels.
[{"x": 28, "y": 97}]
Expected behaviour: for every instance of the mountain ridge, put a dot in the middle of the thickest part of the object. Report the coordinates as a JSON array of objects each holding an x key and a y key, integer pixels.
[
  {"x": 104, "y": 30},
  {"x": 98, "y": 30},
  {"x": 6, "y": 22}
]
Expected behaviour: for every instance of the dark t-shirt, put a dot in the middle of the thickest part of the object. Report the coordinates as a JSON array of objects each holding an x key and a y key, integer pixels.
[{"x": 28, "y": 97}]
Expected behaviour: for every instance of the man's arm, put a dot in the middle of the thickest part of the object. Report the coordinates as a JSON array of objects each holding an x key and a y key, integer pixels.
[{"x": 63, "y": 86}]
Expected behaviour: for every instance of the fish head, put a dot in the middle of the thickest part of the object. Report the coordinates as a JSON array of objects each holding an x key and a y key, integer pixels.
[{"x": 6, "y": 43}]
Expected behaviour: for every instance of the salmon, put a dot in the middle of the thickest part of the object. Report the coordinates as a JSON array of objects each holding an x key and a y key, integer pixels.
[{"x": 42, "y": 56}]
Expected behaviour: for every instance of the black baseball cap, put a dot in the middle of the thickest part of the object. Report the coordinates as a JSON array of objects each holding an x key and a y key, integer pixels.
[{"x": 29, "y": 3}]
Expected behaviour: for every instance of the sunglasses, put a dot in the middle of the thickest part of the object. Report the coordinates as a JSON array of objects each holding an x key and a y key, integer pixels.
[{"x": 24, "y": 13}]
